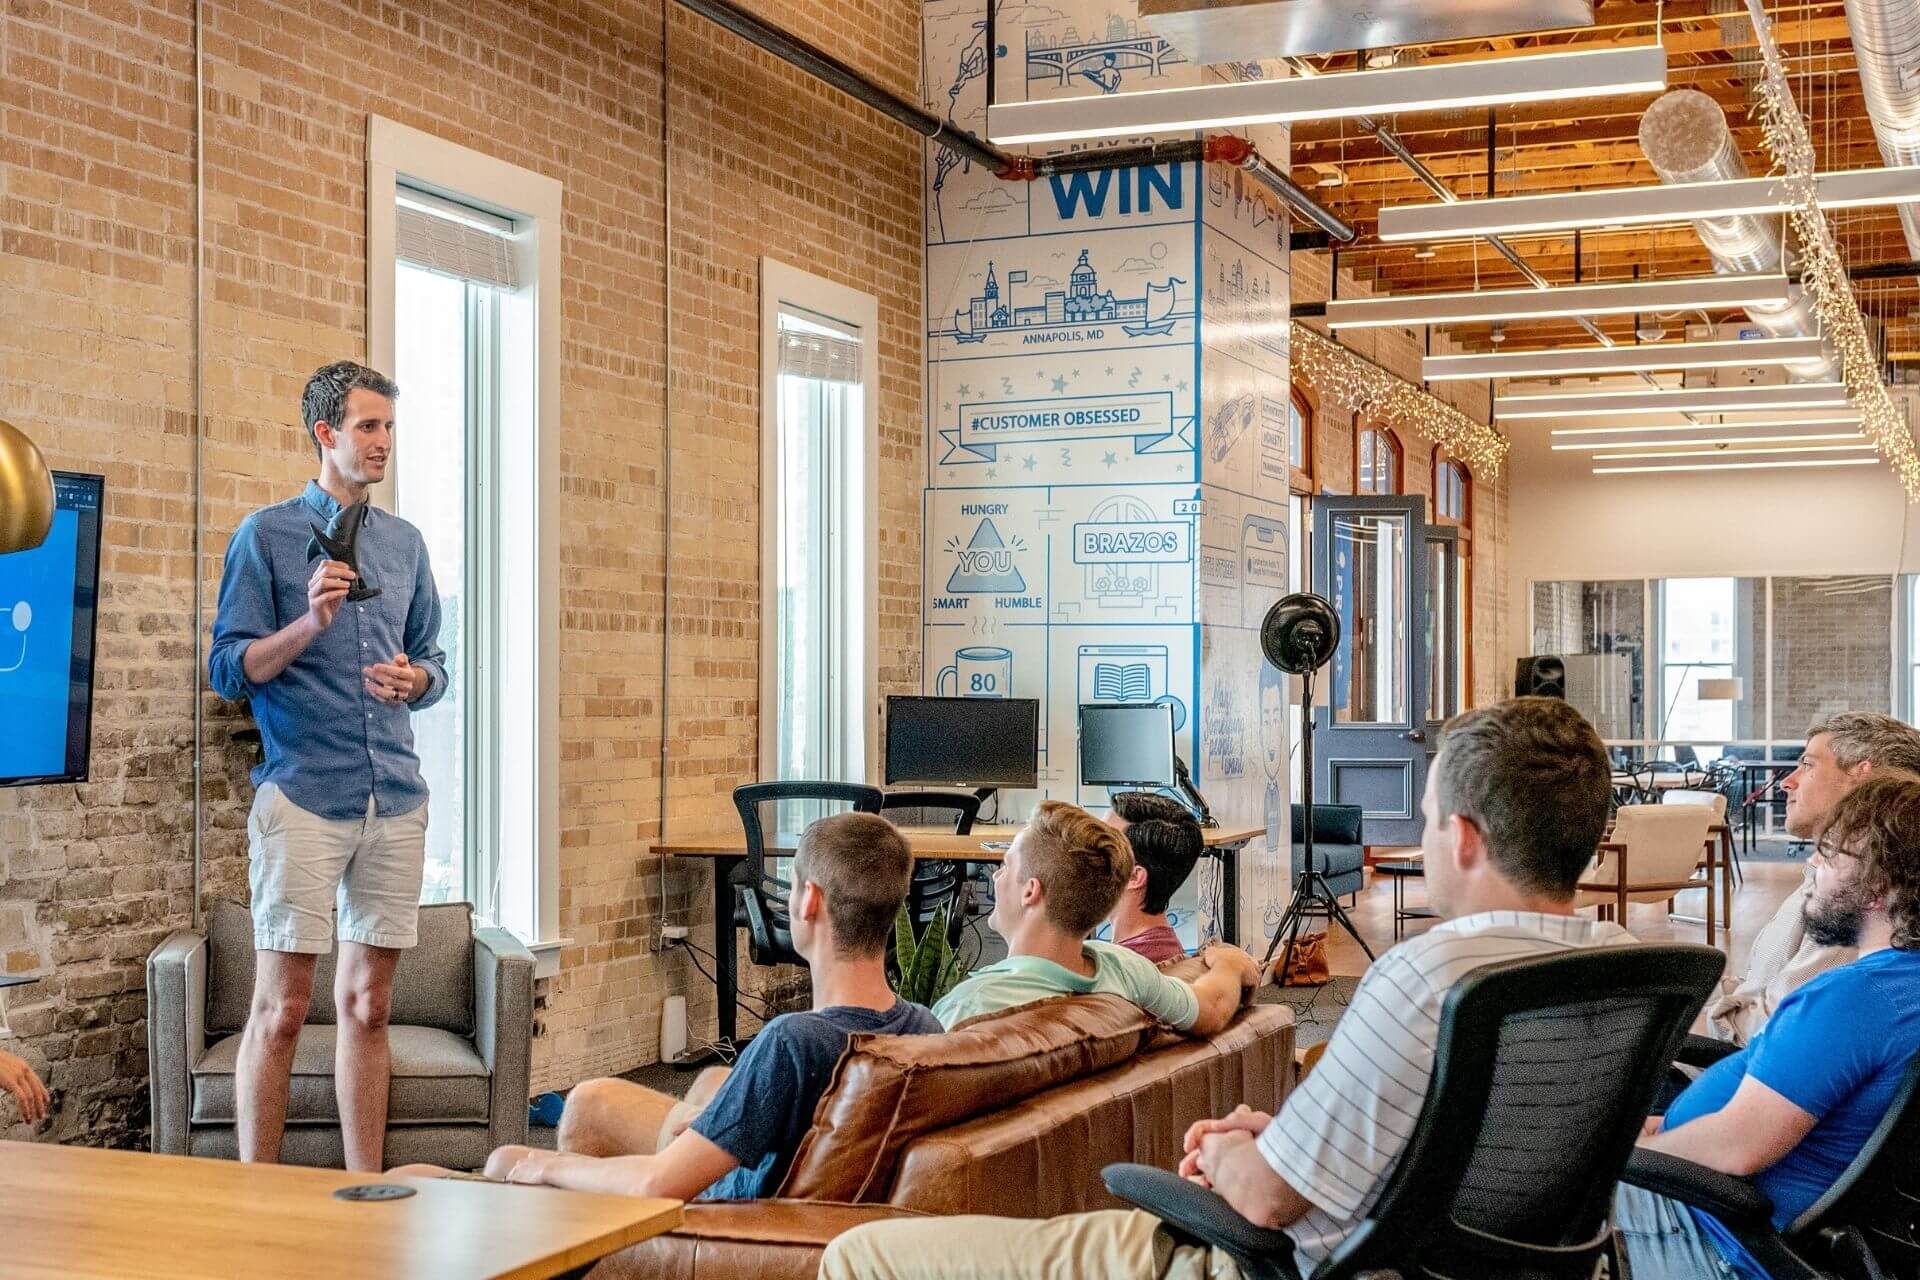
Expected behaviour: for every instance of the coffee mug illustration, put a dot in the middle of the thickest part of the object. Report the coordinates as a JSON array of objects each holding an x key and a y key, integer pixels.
[{"x": 977, "y": 671}]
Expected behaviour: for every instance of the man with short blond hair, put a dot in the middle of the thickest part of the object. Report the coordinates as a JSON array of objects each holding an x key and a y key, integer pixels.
[
  {"x": 1061, "y": 878},
  {"x": 1842, "y": 752}
]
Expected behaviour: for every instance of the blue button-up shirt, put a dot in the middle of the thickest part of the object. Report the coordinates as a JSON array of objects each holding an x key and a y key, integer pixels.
[{"x": 331, "y": 744}]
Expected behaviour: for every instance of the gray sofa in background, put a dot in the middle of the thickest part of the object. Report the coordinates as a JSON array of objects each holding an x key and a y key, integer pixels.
[
  {"x": 1337, "y": 847},
  {"x": 461, "y": 1034}
]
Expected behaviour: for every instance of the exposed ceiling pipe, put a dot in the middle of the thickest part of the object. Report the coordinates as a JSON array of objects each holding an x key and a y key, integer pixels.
[
  {"x": 1398, "y": 150},
  {"x": 1216, "y": 149},
  {"x": 1685, "y": 137},
  {"x": 1886, "y": 48}
]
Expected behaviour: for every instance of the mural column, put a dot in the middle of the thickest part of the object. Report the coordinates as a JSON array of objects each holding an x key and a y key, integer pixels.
[{"x": 1066, "y": 475}]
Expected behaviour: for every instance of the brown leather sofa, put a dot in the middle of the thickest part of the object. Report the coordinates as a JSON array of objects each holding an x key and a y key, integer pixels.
[{"x": 1014, "y": 1114}]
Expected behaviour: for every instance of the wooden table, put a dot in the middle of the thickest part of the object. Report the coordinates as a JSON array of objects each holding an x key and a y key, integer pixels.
[
  {"x": 84, "y": 1212},
  {"x": 727, "y": 848}
]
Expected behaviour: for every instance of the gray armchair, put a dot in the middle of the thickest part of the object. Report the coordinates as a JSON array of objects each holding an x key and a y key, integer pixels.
[{"x": 461, "y": 1033}]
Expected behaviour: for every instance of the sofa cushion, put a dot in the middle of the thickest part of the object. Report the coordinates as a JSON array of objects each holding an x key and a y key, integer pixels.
[
  {"x": 437, "y": 1077},
  {"x": 1333, "y": 859},
  {"x": 765, "y": 1239},
  {"x": 1332, "y": 824},
  {"x": 888, "y": 1090},
  {"x": 432, "y": 986}
]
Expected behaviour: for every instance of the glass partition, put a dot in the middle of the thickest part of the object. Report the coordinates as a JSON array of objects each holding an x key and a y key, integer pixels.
[{"x": 1600, "y": 630}]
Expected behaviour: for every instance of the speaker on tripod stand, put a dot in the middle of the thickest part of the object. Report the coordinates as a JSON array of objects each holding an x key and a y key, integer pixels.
[{"x": 1299, "y": 635}]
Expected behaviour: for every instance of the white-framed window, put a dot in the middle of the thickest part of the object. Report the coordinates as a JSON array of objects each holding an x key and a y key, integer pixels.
[
  {"x": 819, "y": 528},
  {"x": 463, "y": 312}
]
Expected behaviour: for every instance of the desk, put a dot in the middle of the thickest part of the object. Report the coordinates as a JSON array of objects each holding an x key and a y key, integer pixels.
[
  {"x": 727, "y": 849},
  {"x": 81, "y": 1211},
  {"x": 1752, "y": 785}
]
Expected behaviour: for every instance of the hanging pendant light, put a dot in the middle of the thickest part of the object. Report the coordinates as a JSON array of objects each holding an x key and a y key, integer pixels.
[{"x": 26, "y": 492}]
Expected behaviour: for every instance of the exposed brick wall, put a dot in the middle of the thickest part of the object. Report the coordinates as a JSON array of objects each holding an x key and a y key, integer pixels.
[
  {"x": 96, "y": 361},
  {"x": 1830, "y": 650}
]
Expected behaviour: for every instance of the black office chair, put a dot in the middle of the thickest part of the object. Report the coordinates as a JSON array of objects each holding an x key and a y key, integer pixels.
[
  {"x": 935, "y": 882},
  {"x": 760, "y": 884},
  {"x": 1865, "y": 1227},
  {"x": 1543, "y": 1072}
]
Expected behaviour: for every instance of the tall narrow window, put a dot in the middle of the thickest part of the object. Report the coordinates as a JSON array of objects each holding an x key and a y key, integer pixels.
[
  {"x": 1698, "y": 639},
  {"x": 818, "y": 679},
  {"x": 1376, "y": 462},
  {"x": 464, "y": 358},
  {"x": 1300, "y": 441}
]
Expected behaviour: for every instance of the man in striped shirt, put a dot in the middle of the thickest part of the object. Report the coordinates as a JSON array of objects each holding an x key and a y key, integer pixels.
[{"x": 1514, "y": 808}]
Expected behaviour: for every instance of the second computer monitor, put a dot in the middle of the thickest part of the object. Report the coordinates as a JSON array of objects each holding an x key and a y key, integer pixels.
[{"x": 1126, "y": 744}]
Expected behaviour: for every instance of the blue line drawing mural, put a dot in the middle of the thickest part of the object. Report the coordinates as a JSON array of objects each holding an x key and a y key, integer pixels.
[
  {"x": 984, "y": 428},
  {"x": 1228, "y": 425},
  {"x": 977, "y": 671},
  {"x": 1101, "y": 59},
  {"x": 985, "y": 565},
  {"x": 1122, "y": 545},
  {"x": 1081, "y": 305}
]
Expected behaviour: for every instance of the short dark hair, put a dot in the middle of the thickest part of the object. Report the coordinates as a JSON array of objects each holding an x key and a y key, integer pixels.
[
  {"x": 1144, "y": 806},
  {"x": 325, "y": 398},
  {"x": 1532, "y": 774},
  {"x": 1880, "y": 820},
  {"x": 1081, "y": 862},
  {"x": 863, "y": 864},
  {"x": 1167, "y": 848}
]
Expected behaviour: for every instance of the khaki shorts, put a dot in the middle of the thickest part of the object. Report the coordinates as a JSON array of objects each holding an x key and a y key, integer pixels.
[{"x": 302, "y": 866}]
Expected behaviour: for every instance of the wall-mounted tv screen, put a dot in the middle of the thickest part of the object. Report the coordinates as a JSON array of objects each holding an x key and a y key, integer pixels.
[{"x": 49, "y": 598}]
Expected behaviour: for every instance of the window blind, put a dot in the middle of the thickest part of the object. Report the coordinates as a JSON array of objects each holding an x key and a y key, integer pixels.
[
  {"x": 454, "y": 240},
  {"x": 810, "y": 350}
]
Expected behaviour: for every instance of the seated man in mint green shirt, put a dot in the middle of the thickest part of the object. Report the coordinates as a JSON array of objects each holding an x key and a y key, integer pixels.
[{"x": 1060, "y": 879}]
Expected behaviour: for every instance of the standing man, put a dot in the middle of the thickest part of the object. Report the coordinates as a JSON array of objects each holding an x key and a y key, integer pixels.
[{"x": 339, "y": 808}]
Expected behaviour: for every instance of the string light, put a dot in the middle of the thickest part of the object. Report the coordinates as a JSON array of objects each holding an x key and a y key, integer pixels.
[
  {"x": 1365, "y": 388},
  {"x": 1823, "y": 268}
]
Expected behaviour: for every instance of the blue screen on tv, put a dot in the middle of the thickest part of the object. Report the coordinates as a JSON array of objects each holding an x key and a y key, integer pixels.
[{"x": 48, "y": 600}]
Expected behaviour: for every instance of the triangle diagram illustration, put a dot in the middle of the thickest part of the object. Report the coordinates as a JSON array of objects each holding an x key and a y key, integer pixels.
[{"x": 986, "y": 565}]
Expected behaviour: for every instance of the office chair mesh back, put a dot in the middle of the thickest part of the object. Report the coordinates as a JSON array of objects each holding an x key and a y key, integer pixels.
[
  {"x": 1545, "y": 1069},
  {"x": 774, "y": 814},
  {"x": 934, "y": 882}
]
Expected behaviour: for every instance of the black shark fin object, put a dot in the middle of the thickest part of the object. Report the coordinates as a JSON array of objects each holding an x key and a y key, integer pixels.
[{"x": 340, "y": 540}]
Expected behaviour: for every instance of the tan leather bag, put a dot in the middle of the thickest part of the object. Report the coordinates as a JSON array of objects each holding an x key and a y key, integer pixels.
[{"x": 1305, "y": 964}]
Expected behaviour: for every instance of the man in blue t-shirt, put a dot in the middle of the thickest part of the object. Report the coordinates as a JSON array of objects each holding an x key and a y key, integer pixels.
[
  {"x": 1793, "y": 1109},
  {"x": 736, "y": 1135}
]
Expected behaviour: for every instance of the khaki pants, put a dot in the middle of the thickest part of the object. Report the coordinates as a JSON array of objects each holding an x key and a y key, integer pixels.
[{"x": 1115, "y": 1244}]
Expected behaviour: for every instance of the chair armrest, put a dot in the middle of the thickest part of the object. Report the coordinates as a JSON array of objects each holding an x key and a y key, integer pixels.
[
  {"x": 1735, "y": 1201},
  {"x": 503, "y": 1028},
  {"x": 1704, "y": 1051},
  {"x": 1197, "y": 1213},
  {"x": 176, "y": 1034}
]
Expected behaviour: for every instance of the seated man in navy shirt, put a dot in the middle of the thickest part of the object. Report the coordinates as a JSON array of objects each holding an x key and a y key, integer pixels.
[
  {"x": 850, "y": 875},
  {"x": 1793, "y": 1109}
]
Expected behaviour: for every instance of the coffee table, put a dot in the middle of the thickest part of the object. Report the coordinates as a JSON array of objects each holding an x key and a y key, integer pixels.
[{"x": 85, "y": 1212}]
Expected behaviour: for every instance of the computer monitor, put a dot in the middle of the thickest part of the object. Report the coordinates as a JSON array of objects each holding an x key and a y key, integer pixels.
[
  {"x": 48, "y": 602},
  {"x": 963, "y": 742},
  {"x": 1126, "y": 744}
]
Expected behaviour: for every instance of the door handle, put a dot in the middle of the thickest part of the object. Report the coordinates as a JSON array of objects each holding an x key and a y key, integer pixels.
[{"x": 1415, "y": 735}]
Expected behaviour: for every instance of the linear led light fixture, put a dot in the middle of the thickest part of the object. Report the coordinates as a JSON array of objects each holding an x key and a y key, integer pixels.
[
  {"x": 1805, "y": 395},
  {"x": 1724, "y": 453},
  {"x": 1740, "y": 466},
  {"x": 1641, "y": 359},
  {"x": 1619, "y": 298},
  {"x": 1784, "y": 420},
  {"x": 1544, "y": 77},
  {"x": 1588, "y": 446},
  {"x": 1655, "y": 205}
]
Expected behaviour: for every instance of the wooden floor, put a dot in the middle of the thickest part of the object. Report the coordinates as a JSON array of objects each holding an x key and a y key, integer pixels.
[{"x": 1754, "y": 903}]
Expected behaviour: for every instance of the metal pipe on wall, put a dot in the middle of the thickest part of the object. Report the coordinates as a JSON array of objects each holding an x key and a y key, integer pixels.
[{"x": 1005, "y": 164}]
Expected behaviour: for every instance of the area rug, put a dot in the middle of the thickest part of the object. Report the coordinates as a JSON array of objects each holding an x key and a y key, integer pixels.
[{"x": 1315, "y": 1009}]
